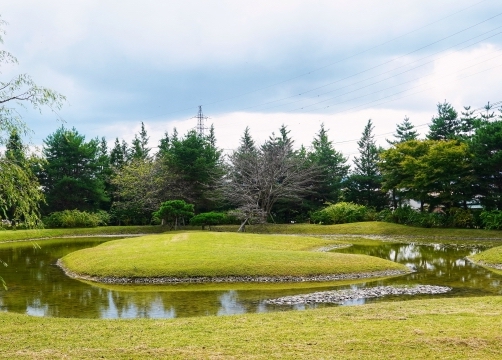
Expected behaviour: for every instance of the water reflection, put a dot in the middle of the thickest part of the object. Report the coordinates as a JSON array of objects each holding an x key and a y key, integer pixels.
[{"x": 37, "y": 287}]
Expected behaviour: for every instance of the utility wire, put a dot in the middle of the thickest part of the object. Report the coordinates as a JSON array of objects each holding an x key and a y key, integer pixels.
[
  {"x": 333, "y": 63},
  {"x": 377, "y": 75}
]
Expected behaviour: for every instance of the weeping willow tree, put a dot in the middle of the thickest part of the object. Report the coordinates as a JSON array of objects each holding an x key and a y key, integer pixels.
[{"x": 20, "y": 192}]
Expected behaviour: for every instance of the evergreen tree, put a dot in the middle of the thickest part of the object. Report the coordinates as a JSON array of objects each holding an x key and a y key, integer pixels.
[
  {"x": 247, "y": 144},
  {"x": 140, "y": 149},
  {"x": 119, "y": 155},
  {"x": 198, "y": 165},
  {"x": 404, "y": 132},
  {"x": 15, "y": 150},
  {"x": 332, "y": 167},
  {"x": 104, "y": 170},
  {"x": 70, "y": 178},
  {"x": 486, "y": 145},
  {"x": 164, "y": 146},
  {"x": 446, "y": 125},
  {"x": 364, "y": 185}
]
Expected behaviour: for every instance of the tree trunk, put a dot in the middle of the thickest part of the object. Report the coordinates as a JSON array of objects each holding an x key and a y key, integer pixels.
[{"x": 242, "y": 228}]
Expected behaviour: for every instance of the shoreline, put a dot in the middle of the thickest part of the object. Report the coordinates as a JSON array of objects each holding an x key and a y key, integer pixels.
[{"x": 230, "y": 279}]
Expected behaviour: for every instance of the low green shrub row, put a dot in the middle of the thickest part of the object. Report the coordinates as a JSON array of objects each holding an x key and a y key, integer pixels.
[
  {"x": 76, "y": 219},
  {"x": 343, "y": 212}
]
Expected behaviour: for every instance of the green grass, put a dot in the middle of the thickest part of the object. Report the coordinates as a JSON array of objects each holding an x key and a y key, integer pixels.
[
  {"x": 490, "y": 258},
  {"x": 463, "y": 328},
  {"x": 365, "y": 228},
  {"x": 16, "y": 235},
  {"x": 196, "y": 254}
]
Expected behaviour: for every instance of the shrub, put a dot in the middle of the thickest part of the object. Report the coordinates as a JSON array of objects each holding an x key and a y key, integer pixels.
[
  {"x": 343, "y": 212},
  {"x": 461, "y": 218},
  {"x": 491, "y": 220},
  {"x": 72, "y": 219},
  {"x": 208, "y": 219}
]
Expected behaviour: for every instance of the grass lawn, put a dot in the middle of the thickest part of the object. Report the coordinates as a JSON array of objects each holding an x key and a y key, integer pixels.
[
  {"x": 33, "y": 234},
  {"x": 217, "y": 254},
  {"x": 365, "y": 228},
  {"x": 463, "y": 328},
  {"x": 489, "y": 258}
]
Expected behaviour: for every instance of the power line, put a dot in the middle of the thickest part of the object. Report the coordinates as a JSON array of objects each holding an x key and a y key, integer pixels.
[
  {"x": 377, "y": 75},
  {"x": 338, "y": 61}
]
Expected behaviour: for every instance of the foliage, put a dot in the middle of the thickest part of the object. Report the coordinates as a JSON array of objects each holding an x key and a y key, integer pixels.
[
  {"x": 71, "y": 177},
  {"x": 455, "y": 218},
  {"x": 341, "y": 213},
  {"x": 197, "y": 163},
  {"x": 73, "y": 219},
  {"x": 20, "y": 196},
  {"x": 208, "y": 219},
  {"x": 492, "y": 220},
  {"x": 258, "y": 178},
  {"x": 140, "y": 149},
  {"x": 486, "y": 147},
  {"x": 140, "y": 187},
  {"x": 432, "y": 172},
  {"x": 332, "y": 169},
  {"x": 446, "y": 124},
  {"x": 364, "y": 185},
  {"x": 404, "y": 132},
  {"x": 172, "y": 212}
]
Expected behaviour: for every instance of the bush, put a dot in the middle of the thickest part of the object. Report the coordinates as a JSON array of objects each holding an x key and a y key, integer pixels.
[
  {"x": 491, "y": 220},
  {"x": 72, "y": 219},
  {"x": 208, "y": 219},
  {"x": 458, "y": 218},
  {"x": 461, "y": 218},
  {"x": 343, "y": 212}
]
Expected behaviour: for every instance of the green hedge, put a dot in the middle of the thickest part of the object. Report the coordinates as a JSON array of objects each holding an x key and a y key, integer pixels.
[
  {"x": 76, "y": 219},
  {"x": 343, "y": 212}
]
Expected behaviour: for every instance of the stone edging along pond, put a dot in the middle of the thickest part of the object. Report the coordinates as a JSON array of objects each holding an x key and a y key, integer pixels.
[{"x": 230, "y": 279}]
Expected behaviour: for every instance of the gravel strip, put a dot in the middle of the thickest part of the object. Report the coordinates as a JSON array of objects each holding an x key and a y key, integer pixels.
[
  {"x": 340, "y": 296},
  {"x": 231, "y": 279}
]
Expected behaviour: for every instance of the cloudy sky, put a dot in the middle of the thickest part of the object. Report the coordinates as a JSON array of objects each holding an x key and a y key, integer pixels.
[{"x": 254, "y": 63}]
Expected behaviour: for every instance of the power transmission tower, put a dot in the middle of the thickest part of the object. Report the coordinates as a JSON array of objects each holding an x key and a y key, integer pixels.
[{"x": 200, "y": 122}]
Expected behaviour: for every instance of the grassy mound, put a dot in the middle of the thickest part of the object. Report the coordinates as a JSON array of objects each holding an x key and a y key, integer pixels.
[
  {"x": 206, "y": 254},
  {"x": 491, "y": 258}
]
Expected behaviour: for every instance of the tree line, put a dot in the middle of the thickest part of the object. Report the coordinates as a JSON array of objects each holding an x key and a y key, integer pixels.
[{"x": 458, "y": 165}]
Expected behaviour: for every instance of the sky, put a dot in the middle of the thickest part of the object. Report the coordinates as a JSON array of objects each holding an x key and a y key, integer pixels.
[{"x": 255, "y": 63}]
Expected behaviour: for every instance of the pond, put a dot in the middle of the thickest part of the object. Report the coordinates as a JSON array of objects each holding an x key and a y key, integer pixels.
[{"x": 37, "y": 287}]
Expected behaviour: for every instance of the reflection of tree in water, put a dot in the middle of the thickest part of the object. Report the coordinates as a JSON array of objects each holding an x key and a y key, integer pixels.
[
  {"x": 38, "y": 287},
  {"x": 434, "y": 264}
]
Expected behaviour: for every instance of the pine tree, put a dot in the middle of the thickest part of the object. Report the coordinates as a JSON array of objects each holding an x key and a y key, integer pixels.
[
  {"x": 365, "y": 183},
  {"x": 140, "y": 149},
  {"x": 15, "y": 149},
  {"x": 119, "y": 156},
  {"x": 446, "y": 125},
  {"x": 404, "y": 132},
  {"x": 332, "y": 168}
]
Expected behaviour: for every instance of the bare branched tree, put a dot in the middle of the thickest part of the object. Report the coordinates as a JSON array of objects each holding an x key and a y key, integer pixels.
[{"x": 258, "y": 178}]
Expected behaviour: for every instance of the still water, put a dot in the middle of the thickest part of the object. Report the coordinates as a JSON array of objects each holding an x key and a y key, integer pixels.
[{"x": 37, "y": 287}]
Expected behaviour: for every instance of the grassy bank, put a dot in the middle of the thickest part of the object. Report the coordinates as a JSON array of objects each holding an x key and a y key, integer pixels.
[
  {"x": 490, "y": 258},
  {"x": 198, "y": 254},
  {"x": 14, "y": 235},
  {"x": 465, "y": 328},
  {"x": 366, "y": 228},
  {"x": 363, "y": 228}
]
